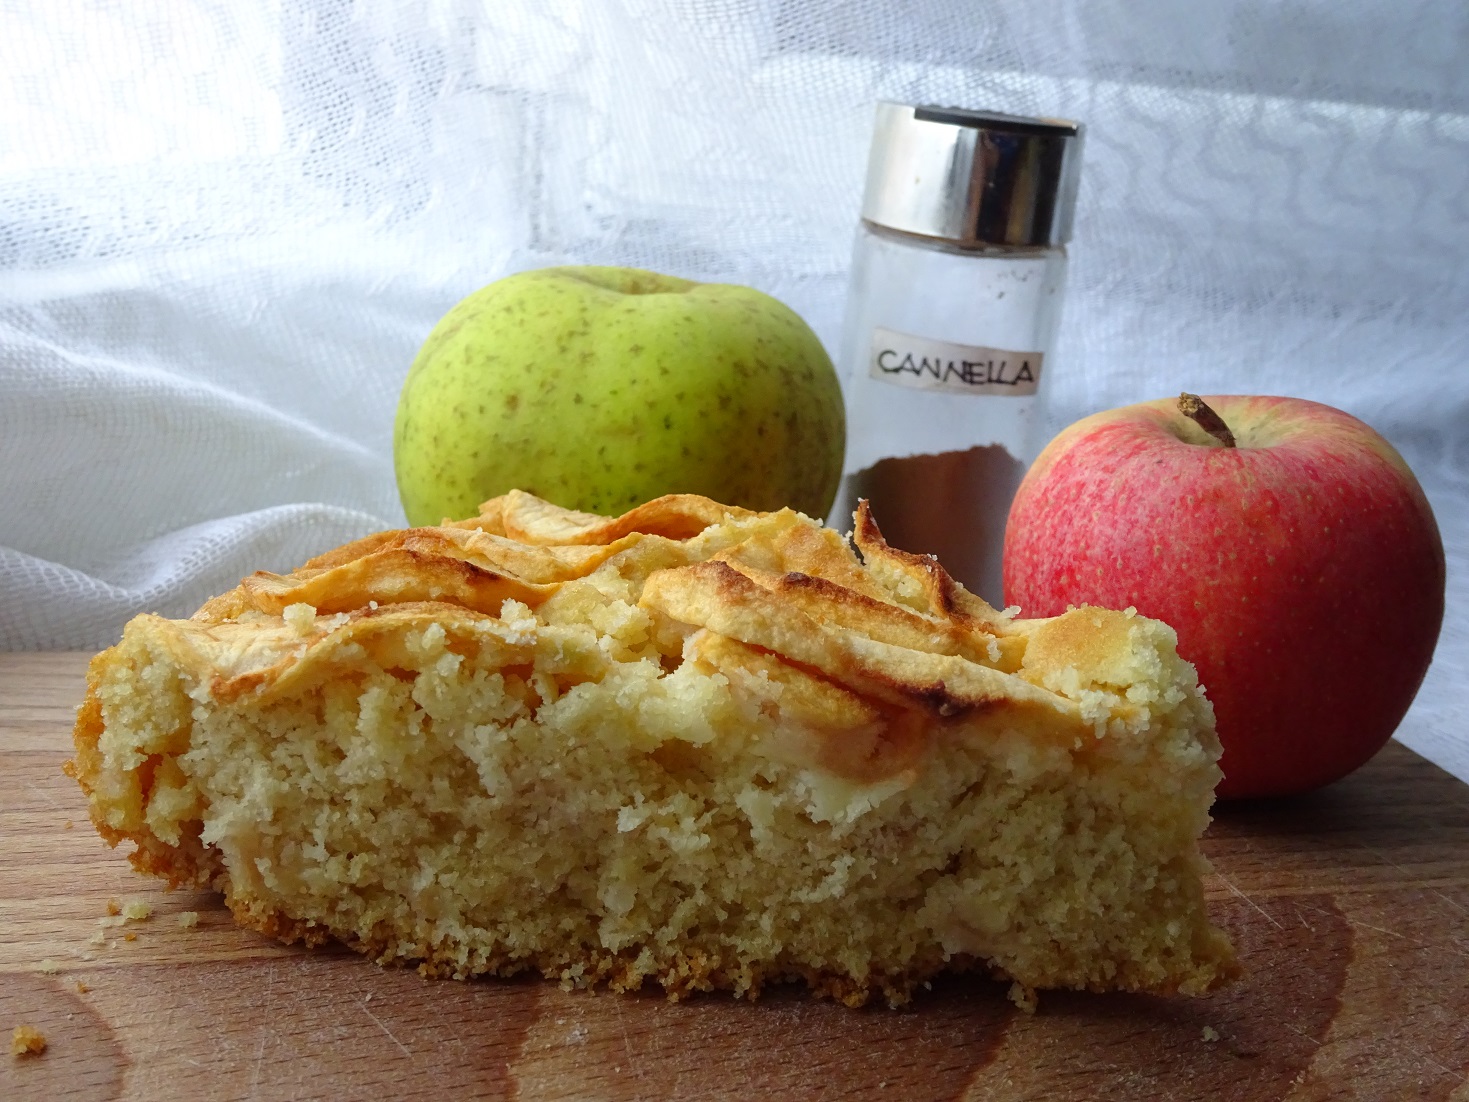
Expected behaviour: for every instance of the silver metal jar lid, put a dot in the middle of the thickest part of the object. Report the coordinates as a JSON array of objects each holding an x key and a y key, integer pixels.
[{"x": 973, "y": 177}]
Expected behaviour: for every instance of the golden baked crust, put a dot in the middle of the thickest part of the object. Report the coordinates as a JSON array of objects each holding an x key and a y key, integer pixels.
[{"x": 693, "y": 743}]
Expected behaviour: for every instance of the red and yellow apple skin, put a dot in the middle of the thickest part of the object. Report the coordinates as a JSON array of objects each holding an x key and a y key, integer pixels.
[{"x": 1302, "y": 570}]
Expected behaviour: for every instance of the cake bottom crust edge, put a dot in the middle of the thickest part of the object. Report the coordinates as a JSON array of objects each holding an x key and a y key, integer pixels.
[{"x": 684, "y": 975}]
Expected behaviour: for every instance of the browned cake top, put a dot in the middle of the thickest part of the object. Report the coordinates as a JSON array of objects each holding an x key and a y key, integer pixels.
[{"x": 857, "y": 637}]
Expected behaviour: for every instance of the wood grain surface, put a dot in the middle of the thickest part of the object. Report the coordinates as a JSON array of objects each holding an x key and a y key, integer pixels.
[{"x": 1349, "y": 907}]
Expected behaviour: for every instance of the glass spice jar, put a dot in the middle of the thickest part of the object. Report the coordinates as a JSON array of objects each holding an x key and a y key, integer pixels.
[{"x": 956, "y": 286}]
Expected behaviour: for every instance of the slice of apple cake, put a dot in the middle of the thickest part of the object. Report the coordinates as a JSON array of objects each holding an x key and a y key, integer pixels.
[{"x": 696, "y": 744}]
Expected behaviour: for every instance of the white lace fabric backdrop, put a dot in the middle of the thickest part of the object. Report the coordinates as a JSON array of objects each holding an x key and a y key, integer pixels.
[{"x": 226, "y": 228}]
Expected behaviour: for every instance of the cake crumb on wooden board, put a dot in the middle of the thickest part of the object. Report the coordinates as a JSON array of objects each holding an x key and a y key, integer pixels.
[{"x": 27, "y": 1040}]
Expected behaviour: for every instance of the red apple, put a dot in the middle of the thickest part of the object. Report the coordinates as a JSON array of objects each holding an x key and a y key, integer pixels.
[{"x": 1299, "y": 563}]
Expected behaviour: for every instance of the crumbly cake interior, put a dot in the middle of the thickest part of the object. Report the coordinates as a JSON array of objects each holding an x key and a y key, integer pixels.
[{"x": 693, "y": 744}]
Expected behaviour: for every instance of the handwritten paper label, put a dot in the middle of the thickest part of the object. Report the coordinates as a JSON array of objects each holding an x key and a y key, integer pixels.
[{"x": 923, "y": 364}]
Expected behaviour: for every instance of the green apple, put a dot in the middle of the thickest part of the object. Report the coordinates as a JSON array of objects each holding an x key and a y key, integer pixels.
[{"x": 600, "y": 388}]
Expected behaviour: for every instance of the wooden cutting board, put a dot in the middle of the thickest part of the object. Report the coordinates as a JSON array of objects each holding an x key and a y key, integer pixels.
[{"x": 1349, "y": 907}]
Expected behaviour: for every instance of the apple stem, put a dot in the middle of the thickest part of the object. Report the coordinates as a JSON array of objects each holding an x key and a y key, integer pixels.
[{"x": 1197, "y": 410}]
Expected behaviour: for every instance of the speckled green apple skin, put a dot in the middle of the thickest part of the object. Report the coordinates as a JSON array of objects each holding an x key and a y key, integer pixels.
[{"x": 600, "y": 388}]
